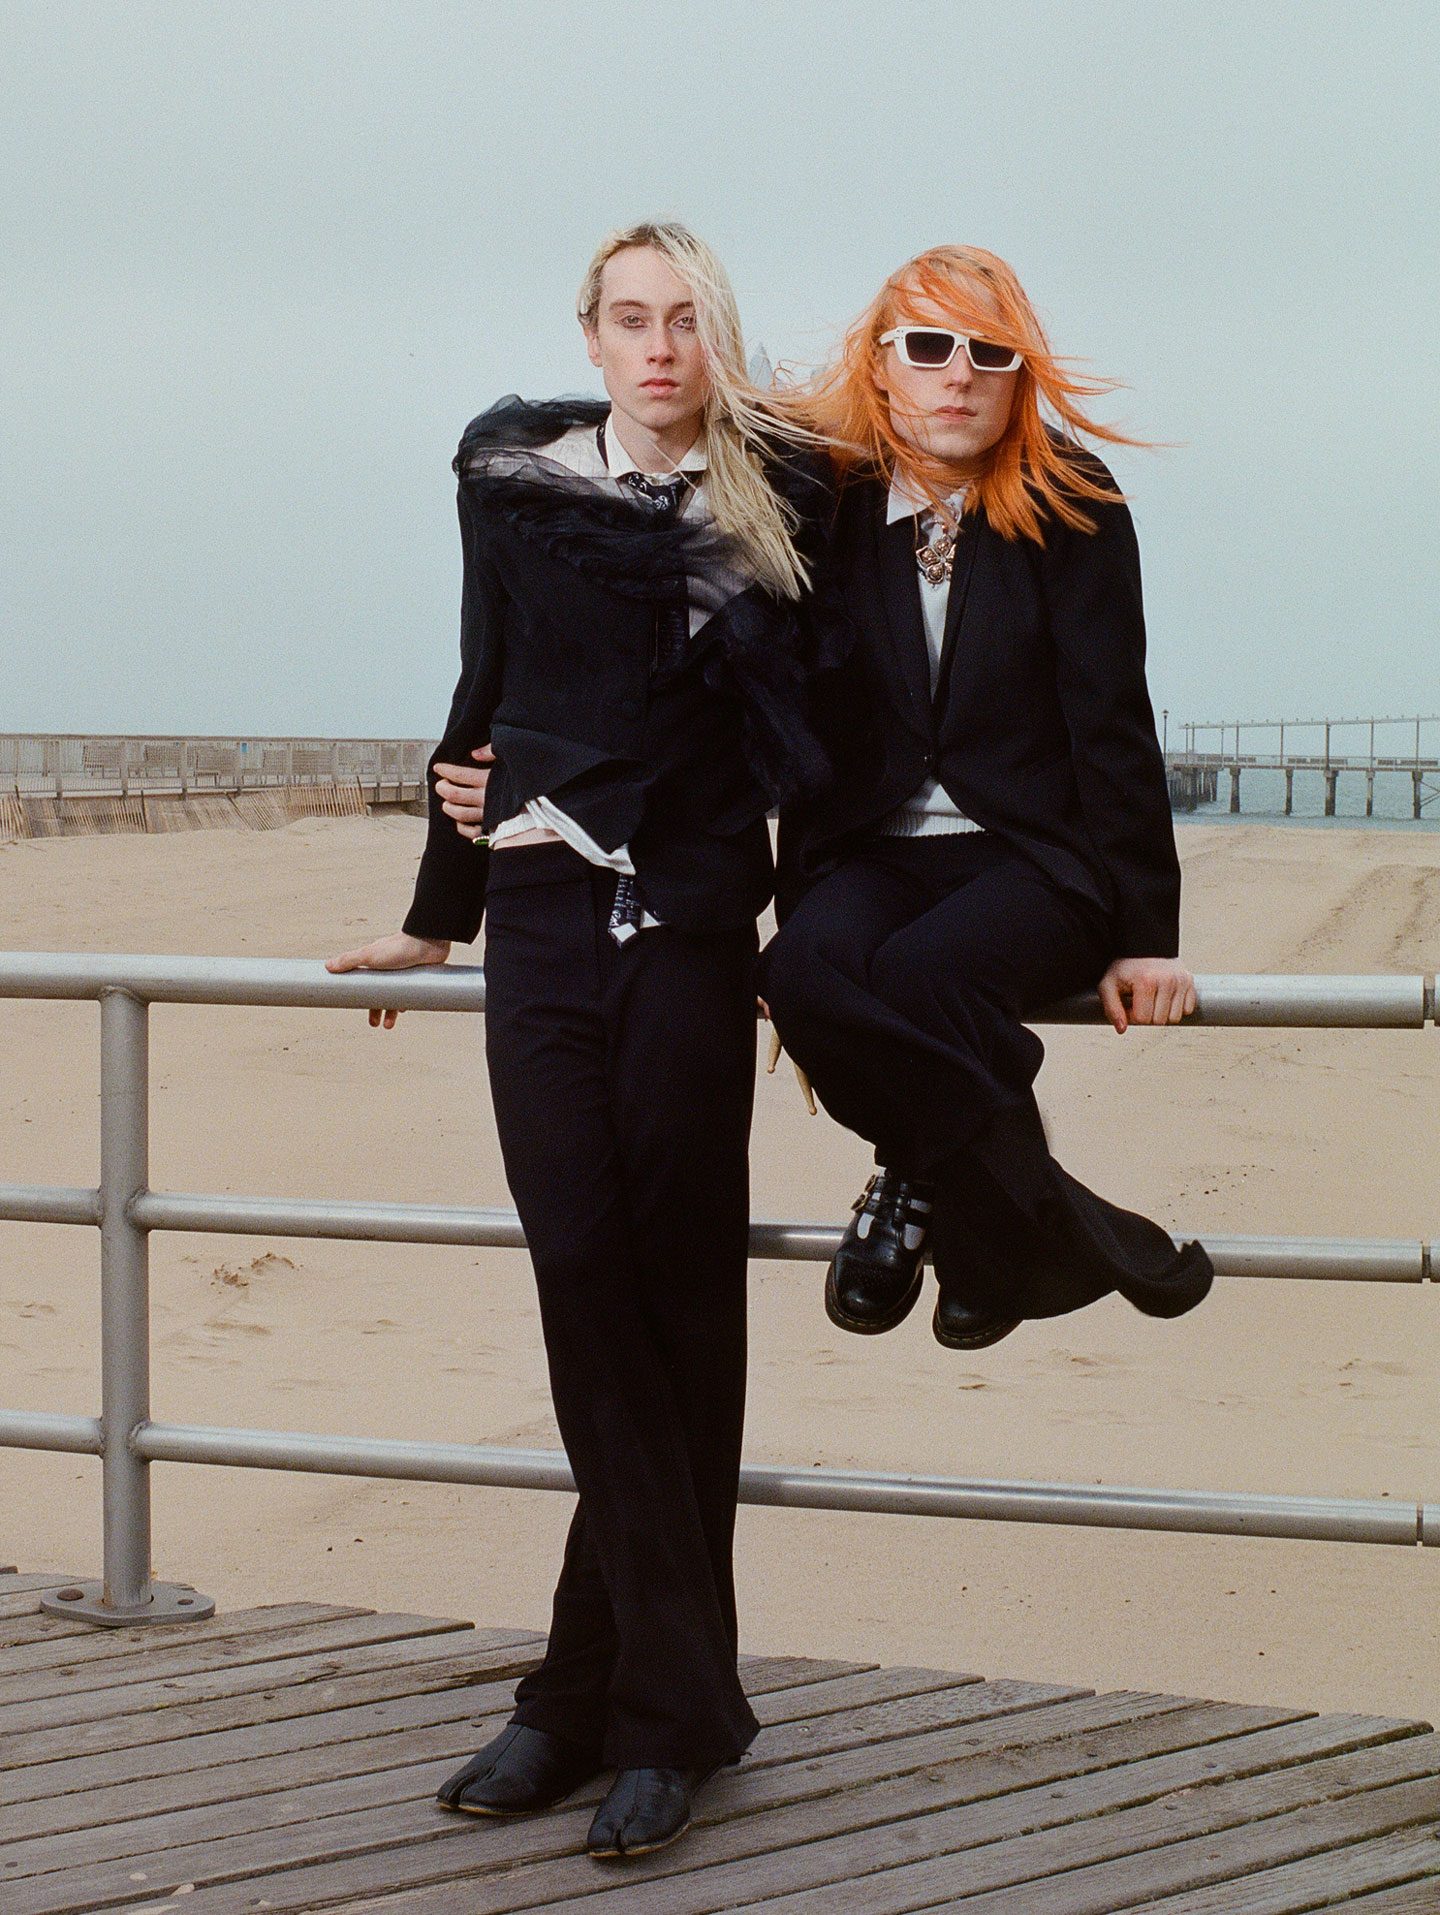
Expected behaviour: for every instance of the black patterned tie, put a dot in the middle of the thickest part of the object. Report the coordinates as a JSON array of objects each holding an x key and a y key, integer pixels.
[{"x": 665, "y": 498}]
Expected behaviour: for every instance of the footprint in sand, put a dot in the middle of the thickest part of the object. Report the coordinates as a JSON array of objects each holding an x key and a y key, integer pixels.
[{"x": 239, "y": 1276}]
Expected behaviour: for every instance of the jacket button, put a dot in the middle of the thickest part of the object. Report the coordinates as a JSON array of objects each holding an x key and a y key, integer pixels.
[{"x": 629, "y": 708}]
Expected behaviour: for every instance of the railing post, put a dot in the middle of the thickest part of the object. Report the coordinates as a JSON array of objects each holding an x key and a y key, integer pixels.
[{"x": 127, "y": 1593}]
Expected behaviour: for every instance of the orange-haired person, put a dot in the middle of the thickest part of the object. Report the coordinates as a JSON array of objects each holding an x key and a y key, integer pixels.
[{"x": 998, "y": 835}]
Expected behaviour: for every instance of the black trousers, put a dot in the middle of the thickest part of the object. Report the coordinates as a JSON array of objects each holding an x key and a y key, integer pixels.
[
  {"x": 623, "y": 1080},
  {"x": 899, "y": 984}
]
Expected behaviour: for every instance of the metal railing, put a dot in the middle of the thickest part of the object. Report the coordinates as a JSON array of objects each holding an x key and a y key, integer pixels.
[
  {"x": 126, "y": 1210},
  {"x": 1315, "y": 749}
]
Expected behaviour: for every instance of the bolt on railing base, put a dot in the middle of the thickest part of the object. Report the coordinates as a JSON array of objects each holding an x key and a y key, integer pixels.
[{"x": 169, "y": 1602}]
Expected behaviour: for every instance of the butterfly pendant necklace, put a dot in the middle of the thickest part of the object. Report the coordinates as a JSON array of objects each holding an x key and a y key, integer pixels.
[{"x": 936, "y": 557}]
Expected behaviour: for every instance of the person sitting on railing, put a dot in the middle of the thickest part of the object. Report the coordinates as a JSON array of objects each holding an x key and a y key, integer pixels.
[
  {"x": 999, "y": 834},
  {"x": 631, "y": 667}
]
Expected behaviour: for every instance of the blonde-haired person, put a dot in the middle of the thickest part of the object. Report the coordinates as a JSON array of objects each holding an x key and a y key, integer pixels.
[
  {"x": 629, "y": 701},
  {"x": 999, "y": 833}
]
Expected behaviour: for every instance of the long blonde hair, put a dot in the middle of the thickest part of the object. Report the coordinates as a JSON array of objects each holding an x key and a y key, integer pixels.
[{"x": 739, "y": 427}]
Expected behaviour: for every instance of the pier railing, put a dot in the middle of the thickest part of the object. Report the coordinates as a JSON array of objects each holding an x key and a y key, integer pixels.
[{"x": 125, "y": 1209}]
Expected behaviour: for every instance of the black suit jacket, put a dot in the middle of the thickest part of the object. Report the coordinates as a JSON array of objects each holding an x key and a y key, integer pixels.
[
  {"x": 1041, "y": 728},
  {"x": 562, "y": 587}
]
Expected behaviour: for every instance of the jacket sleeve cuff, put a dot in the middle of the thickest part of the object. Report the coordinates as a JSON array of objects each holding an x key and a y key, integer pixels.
[{"x": 449, "y": 901}]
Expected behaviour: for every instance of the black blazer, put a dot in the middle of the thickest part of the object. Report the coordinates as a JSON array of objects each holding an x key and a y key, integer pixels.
[
  {"x": 1041, "y": 728},
  {"x": 562, "y": 590}
]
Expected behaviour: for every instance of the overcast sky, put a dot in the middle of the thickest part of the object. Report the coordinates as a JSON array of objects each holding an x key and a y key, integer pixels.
[{"x": 263, "y": 261}]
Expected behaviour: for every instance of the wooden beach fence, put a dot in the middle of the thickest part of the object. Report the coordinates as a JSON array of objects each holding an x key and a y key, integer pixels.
[{"x": 80, "y": 786}]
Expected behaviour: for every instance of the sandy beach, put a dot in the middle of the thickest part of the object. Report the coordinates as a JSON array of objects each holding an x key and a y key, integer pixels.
[{"x": 1304, "y": 1388}]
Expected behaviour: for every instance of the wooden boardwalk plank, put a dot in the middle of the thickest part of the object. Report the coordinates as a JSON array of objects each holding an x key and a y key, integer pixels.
[
  {"x": 52, "y": 1640},
  {"x": 286, "y": 1760},
  {"x": 1329, "y": 1838},
  {"x": 910, "y": 1715},
  {"x": 35, "y": 1581},
  {"x": 259, "y": 1662},
  {"x": 323, "y": 1793},
  {"x": 32, "y": 1698},
  {"x": 892, "y": 1826},
  {"x": 1067, "y": 1731},
  {"x": 1359, "y": 1878},
  {"x": 28, "y": 1625},
  {"x": 739, "y": 1856},
  {"x": 408, "y": 1691},
  {"x": 85, "y": 1793},
  {"x": 1068, "y": 1728},
  {"x": 408, "y": 1844},
  {"x": 758, "y": 1673},
  {"x": 379, "y": 1826},
  {"x": 1123, "y": 1860},
  {"x": 849, "y": 1693},
  {"x": 1069, "y": 1739}
]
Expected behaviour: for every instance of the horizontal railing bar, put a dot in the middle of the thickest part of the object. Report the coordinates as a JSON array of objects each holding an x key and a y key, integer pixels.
[
  {"x": 44, "y": 1430},
  {"x": 285, "y": 982},
  {"x": 297, "y": 1217},
  {"x": 1259, "y": 1001},
  {"x": 1321, "y": 1259},
  {"x": 1361, "y": 1259},
  {"x": 1262, "y": 1001},
  {"x": 48, "y": 1203},
  {"x": 1323, "y": 1519}
]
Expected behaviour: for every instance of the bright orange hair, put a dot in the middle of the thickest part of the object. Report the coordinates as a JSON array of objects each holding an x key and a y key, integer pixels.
[{"x": 1033, "y": 468}]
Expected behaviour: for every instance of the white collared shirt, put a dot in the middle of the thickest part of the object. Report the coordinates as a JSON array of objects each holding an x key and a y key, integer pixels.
[
  {"x": 931, "y": 811},
  {"x": 618, "y": 461}
]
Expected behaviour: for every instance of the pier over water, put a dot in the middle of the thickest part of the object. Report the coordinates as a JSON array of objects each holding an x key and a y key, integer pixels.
[{"x": 1397, "y": 757}]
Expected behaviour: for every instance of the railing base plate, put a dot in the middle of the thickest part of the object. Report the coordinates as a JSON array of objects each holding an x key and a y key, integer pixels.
[{"x": 169, "y": 1602}]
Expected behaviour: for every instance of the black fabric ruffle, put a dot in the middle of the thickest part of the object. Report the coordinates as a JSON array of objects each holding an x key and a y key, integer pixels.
[{"x": 750, "y": 643}]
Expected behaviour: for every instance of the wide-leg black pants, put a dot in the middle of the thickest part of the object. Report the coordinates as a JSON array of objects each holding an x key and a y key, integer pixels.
[
  {"x": 899, "y": 984},
  {"x": 623, "y": 1079}
]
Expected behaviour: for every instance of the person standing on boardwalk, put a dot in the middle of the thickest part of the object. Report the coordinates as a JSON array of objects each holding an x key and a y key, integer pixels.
[
  {"x": 631, "y": 677},
  {"x": 999, "y": 833}
]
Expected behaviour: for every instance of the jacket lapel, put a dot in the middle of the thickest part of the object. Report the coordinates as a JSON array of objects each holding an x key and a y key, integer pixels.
[
  {"x": 900, "y": 590},
  {"x": 965, "y": 548}
]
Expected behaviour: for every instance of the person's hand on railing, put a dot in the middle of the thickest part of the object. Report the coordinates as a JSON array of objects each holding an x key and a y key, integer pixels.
[
  {"x": 461, "y": 789},
  {"x": 1147, "y": 991},
  {"x": 397, "y": 952}
]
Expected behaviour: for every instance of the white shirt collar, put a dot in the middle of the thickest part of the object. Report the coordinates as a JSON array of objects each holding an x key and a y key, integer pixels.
[
  {"x": 905, "y": 504},
  {"x": 619, "y": 462}
]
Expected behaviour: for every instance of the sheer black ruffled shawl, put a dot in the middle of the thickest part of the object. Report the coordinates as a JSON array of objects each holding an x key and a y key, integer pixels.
[{"x": 750, "y": 641}]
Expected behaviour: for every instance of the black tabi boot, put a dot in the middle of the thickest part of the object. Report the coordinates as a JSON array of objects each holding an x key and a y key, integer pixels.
[
  {"x": 521, "y": 1771},
  {"x": 875, "y": 1275},
  {"x": 646, "y": 1809}
]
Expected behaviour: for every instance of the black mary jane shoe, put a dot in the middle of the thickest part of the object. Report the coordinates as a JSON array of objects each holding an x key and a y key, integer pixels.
[
  {"x": 967, "y": 1326},
  {"x": 646, "y": 1809},
  {"x": 874, "y": 1277},
  {"x": 521, "y": 1771}
]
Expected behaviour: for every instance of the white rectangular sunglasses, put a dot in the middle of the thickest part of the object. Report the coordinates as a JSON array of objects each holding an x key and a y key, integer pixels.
[{"x": 931, "y": 348}]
